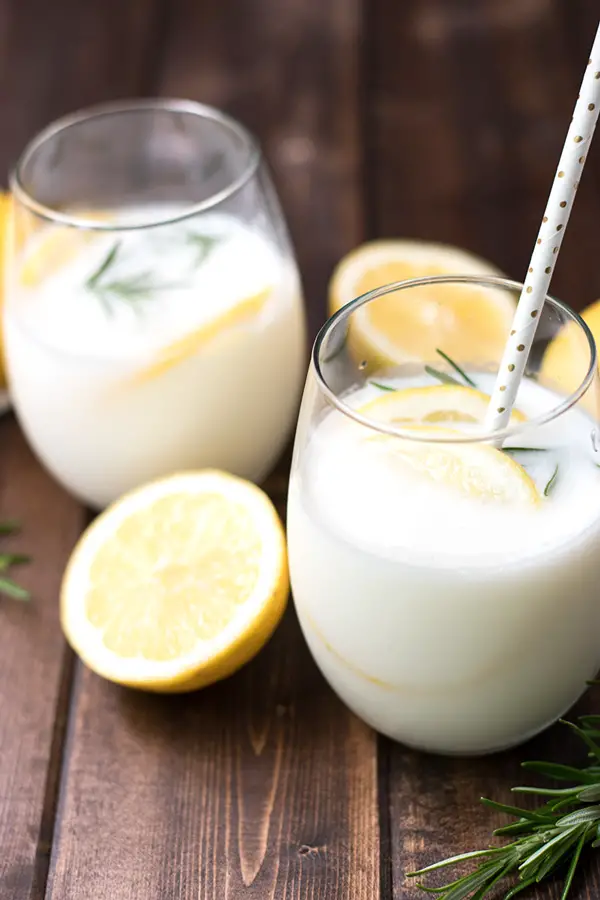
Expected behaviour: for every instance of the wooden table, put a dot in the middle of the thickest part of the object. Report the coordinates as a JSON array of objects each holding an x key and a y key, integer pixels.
[{"x": 437, "y": 119}]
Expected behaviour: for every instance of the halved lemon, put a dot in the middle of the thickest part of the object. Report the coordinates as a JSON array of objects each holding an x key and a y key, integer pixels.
[
  {"x": 567, "y": 358},
  {"x": 477, "y": 471},
  {"x": 469, "y": 323},
  {"x": 183, "y": 348},
  {"x": 441, "y": 403},
  {"x": 178, "y": 584}
]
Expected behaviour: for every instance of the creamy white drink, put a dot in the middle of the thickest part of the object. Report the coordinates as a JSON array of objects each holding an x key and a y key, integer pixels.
[{"x": 137, "y": 353}]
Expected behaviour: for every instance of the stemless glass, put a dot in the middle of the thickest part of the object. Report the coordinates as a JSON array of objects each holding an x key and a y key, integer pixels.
[
  {"x": 153, "y": 316},
  {"x": 446, "y": 579}
]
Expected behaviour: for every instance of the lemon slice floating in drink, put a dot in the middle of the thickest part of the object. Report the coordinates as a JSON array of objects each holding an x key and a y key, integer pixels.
[
  {"x": 435, "y": 403},
  {"x": 178, "y": 584},
  {"x": 187, "y": 346},
  {"x": 475, "y": 470},
  {"x": 470, "y": 322}
]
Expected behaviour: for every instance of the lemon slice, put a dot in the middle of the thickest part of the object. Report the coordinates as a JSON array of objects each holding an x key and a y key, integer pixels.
[
  {"x": 444, "y": 403},
  {"x": 469, "y": 323},
  {"x": 178, "y": 584},
  {"x": 566, "y": 359},
  {"x": 187, "y": 346},
  {"x": 476, "y": 471}
]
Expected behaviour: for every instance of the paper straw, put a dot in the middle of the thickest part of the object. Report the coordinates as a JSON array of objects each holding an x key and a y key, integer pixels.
[{"x": 549, "y": 240}]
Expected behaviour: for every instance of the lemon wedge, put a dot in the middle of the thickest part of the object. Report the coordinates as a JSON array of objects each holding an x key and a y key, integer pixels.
[
  {"x": 178, "y": 584},
  {"x": 443, "y": 403},
  {"x": 476, "y": 471},
  {"x": 187, "y": 346},
  {"x": 470, "y": 323}
]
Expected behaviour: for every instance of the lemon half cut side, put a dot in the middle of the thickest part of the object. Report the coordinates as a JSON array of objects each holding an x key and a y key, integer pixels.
[{"x": 177, "y": 584}]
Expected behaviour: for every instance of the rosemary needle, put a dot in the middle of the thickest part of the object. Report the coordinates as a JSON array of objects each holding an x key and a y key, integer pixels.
[
  {"x": 8, "y": 587},
  {"x": 456, "y": 368},
  {"x": 9, "y": 527},
  {"x": 551, "y": 482},
  {"x": 525, "y": 449},
  {"x": 13, "y": 590},
  {"x": 383, "y": 387},
  {"x": 442, "y": 376},
  {"x": 205, "y": 243},
  {"x": 106, "y": 263}
]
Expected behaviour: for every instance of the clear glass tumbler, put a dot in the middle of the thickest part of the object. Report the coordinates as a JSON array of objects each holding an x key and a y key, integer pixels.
[
  {"x": 153, "y": 316},
  {"x": 445, "y": 578}
]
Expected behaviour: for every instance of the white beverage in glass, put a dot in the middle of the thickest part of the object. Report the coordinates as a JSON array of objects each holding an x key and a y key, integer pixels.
[
  {"x": 448, "y": 591},
  {"x": 158, "y": 339}
]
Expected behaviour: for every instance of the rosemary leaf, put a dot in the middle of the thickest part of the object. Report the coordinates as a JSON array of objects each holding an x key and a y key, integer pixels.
[
  {"x": 9, "y": 527},
  {"x": 525, "y": 449},
  {"x": 560, "y": 772},
  {"x": 8, "y": 587},
  {"x": 12, "y": 559},
  {"x": 580, "y": 816},
  {"x": 456, "y": 368},
  {"x": 104, "y": 266},
  {"x": 205, "y": 244},
  {"x": 383, "y": 387},
  {"x": 551, "y": 482},
  {"x": 573, "y": 866},
  {"x": 442, "y": 376},
  {"x": 13, "y": 590}
]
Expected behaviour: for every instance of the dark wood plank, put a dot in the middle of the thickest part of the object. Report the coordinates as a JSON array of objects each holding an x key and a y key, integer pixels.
[
  {"x": 469, "y": 110},
  {"x": 56, "y": 58},
  {"x": 53, "y": 58},
  {"x": 35, "y": 669},
  {"x": 263, "y": 786}
]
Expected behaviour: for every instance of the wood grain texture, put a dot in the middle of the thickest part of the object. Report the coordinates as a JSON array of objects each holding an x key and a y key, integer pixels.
[
  {"x": 469, "y": 107},
  {"x": 35, "y": 666},
  {"x": 263, "y": 786},
  {"x": 56, "y": 58}
]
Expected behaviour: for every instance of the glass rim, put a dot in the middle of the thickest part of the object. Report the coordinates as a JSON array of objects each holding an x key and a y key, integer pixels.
[
  {"x": 483, "y": 280},
  {"x": 122, "y": 107}
]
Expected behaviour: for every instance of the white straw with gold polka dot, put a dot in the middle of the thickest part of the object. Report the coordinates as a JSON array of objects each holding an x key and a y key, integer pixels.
[{"x": 545, "y": 251}]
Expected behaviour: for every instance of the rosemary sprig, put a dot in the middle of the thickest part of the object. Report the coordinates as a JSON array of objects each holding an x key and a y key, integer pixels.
[
  {"x": 108, "y": 287},
  {"x": 132, "y": 289},
  {"x": 543, "y": 840},
  {"x": 8, "y": 587},
  {"x": 456, "y": 368}
]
